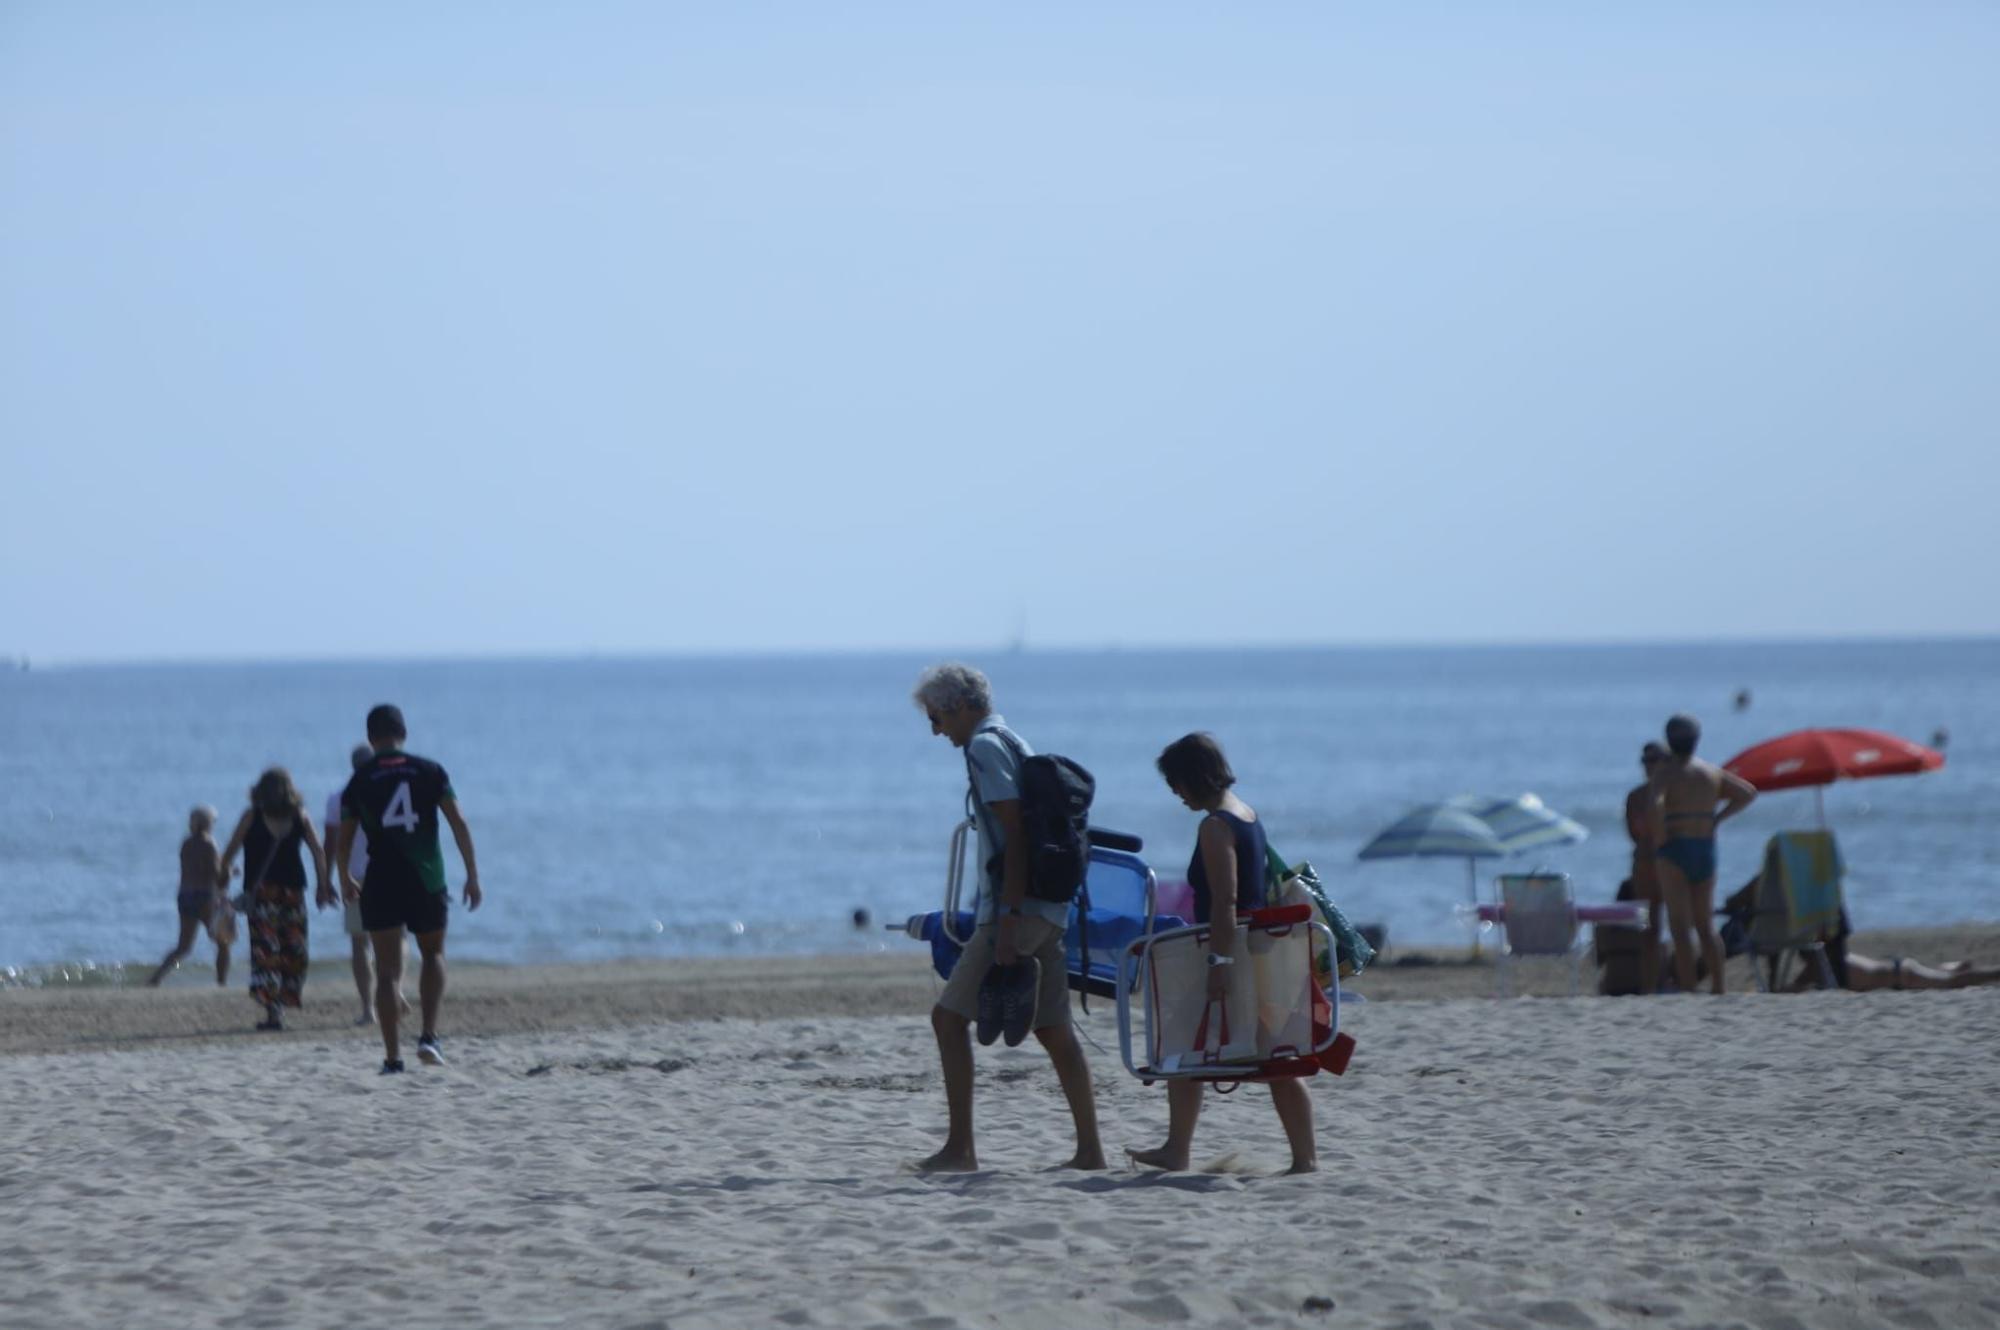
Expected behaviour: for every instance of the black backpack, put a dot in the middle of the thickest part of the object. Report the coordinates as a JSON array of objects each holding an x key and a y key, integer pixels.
[{"x": 1055, "y": 820}]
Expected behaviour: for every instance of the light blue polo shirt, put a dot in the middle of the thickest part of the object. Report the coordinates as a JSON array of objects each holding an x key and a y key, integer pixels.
[{"x": 995, "y": 775}]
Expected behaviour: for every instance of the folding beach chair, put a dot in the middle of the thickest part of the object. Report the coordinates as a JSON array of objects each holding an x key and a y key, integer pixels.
[
  {"x": 1118, "y": 905},
  {"x": 1538, "y": 920},
  {"x": 1795, "y": 906},
  {"x": 1273, "y": 1023}
]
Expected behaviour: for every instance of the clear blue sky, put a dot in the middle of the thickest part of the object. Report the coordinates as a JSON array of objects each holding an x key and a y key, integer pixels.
[{"x": 382, "y": 330}]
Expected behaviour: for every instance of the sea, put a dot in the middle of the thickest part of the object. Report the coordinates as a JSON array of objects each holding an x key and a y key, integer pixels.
[{"x": 794, "y": 805}]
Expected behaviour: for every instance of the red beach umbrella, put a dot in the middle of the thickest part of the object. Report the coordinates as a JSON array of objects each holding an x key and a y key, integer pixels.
[{"x": 1821, "y": 757}]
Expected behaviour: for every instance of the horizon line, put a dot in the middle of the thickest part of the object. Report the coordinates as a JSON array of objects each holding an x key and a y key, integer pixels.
[{"x": 15, "y": 663}]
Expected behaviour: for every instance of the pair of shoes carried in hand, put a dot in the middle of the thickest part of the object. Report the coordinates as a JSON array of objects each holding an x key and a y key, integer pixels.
[{"x": 1007, "y": 1001}]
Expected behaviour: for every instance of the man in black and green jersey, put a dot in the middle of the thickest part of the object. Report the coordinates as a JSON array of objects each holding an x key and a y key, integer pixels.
[{"x": 395, "y": 798}]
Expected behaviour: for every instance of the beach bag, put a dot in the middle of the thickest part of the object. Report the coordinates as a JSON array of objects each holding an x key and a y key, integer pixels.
[
  {"x": 1300, "y": 885},
  {"x": 222, "y": 921}
]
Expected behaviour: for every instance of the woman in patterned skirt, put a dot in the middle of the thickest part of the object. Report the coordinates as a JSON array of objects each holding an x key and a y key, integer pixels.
[{"x": 270, "y": 834}]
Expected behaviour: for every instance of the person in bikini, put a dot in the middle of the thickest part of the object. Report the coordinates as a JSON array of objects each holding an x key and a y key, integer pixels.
[
  {"x": 1645, "y": 868},
  {"x": 1690, "y": 799},
  {"x": 1867, "y": 973}
]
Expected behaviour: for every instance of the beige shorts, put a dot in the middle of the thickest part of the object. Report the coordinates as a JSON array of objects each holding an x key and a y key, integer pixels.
[{"x": 1033, "y": 937}]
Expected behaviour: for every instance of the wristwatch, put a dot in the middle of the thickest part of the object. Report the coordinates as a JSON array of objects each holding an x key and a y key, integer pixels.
[{"x": 1216, "y": 960}]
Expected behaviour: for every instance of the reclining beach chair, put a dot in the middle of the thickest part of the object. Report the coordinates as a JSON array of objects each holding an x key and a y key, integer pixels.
[
  {"x": 1795, "y": 906},
  {"x": 1275, "y": 1022},
  {"x": 1538, "y": 920}
]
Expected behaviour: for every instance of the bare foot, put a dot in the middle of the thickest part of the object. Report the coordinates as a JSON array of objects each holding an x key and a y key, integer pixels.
[
  {"x": 949, "y": 1160},
  {"x": 1160, "y": 1158},
  {"x": 1302, "y": 1166},
  {"x": 1087, "y": 1161}
]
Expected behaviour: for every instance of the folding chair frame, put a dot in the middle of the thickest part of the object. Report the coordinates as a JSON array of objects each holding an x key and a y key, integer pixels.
[{"x": 1288, "y": 1063}]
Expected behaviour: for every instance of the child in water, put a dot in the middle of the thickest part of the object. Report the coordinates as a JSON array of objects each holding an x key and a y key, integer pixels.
[{"x": 199, "y": 901}]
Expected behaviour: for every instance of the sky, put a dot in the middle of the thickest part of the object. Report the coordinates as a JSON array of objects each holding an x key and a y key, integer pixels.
[{"x": 462, "y": 329}]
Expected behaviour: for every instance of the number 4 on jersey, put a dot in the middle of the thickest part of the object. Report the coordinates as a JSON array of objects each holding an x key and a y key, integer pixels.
[{"x": 401, "y": 812}]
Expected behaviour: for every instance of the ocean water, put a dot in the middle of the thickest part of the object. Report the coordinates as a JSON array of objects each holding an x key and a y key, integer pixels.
[{"x": 681, "y": 807}]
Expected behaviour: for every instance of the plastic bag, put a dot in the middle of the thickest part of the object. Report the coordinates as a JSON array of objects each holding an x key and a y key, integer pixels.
[{"x": 1300, "y": 884}]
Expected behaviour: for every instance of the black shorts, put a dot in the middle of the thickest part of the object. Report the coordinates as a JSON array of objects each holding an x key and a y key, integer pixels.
[{"x": 402, "y": 903}]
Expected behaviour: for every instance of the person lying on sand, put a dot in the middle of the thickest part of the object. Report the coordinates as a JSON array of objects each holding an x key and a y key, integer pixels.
[{"x": 1867, "y": 973}]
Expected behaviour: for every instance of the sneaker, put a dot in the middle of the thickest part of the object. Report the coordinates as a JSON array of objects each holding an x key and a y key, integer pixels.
[
  {"x": 392, "y": 1067},
  {"x": 428, "y": 1051}
]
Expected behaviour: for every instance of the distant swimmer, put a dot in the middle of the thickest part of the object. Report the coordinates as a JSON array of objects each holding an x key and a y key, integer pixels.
[
  {"x": 1940, "y": 737},
  {"x": 1685, "y": 795},
  {"x": 1743, "y": 699},
  {"x": 198, "y": 898},
  {"x": 397, "y": 797}
]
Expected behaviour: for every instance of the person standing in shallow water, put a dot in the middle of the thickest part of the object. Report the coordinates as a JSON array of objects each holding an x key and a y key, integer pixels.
[
  {"x": 1010, "y": 924},
  {"x": 1685, "y": 795},
  {"x": 1227, "y": 874},
  {"x": 271, "y": 834}
]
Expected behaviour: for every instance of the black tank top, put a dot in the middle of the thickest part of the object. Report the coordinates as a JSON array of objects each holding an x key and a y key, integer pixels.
[
  {"x": 287, "y": 864},
  {"x": 1249, "y": 837}
]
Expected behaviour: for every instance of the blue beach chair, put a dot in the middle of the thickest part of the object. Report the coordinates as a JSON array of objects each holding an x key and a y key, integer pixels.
[{"x": 1115, "y": 908}]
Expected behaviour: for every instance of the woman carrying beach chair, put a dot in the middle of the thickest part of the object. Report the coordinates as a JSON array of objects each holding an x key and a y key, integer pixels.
[{"x": 1227, "y": 875}]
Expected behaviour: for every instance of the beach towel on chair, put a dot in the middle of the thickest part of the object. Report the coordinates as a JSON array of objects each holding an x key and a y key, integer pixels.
[{"x": 1806, "y": 867}]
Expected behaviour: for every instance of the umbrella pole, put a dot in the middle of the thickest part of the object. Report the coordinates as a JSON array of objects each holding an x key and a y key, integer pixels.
[
  {"x": 1472, "y": 889},
  {"x": 1819, "y": 802}
]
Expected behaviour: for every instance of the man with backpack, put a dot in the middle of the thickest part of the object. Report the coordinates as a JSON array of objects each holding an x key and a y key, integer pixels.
[{"x": 1013, "y": 925}]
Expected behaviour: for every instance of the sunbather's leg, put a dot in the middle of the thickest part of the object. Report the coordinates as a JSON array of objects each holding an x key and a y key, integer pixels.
[
  {"x": 1183, "y": 1111},
  {"x": 1074, "y": 1073},
  {"x": 1295, "y": 1111},
  {"x": 1954, "y": 974},
  {"x": 1701, "y": 906},
  {"x": 1674, "y": 892},
  {"x": 954, "y": 1039}
]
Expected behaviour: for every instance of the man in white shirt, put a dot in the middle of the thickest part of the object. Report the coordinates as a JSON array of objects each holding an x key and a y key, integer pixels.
[{"x": 357, "y": 860}]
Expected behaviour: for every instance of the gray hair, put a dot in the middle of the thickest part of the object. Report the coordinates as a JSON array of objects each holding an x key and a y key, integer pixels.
[
  {"x": 361, "y": 756},
  {"x": 952, "y": 688},
  {"x": 202, "y": 815}
]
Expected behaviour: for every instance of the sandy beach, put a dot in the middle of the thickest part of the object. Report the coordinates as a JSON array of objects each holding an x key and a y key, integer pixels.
[{"x": 729, "y": 1144}]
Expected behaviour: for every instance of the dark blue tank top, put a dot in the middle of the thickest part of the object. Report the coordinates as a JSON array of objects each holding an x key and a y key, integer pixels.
[{"x": 1249, "y": 837}]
